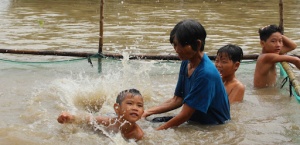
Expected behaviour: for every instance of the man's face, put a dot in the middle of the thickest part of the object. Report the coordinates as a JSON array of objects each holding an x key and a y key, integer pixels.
[{"x": 184, "y": 52}]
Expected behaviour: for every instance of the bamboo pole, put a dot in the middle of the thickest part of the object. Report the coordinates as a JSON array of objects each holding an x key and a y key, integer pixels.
[
  {"x": 289, "y": 71},
  {"x": 287, "y": 68}
]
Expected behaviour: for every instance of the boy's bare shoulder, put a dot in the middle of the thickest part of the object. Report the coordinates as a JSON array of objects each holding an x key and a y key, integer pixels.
[
  {"x": 136, "y": 134},
  {"x": 266, "y": 59},
  {"x": 235, "y": 86},
  {"x": 264, "y": 56},
  {"x": 140, "y": 133},
  {"x": 237, "y": 92},
  {"x": 238, "y": 85}
]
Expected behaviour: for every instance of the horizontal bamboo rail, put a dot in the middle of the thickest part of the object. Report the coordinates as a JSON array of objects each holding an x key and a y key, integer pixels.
[{"x": 118, "y": 56}]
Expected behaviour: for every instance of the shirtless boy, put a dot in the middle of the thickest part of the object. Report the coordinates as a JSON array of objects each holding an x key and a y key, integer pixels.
[
  {"x": 227, "y": 62},
  {"x": 274, "y": 46},
  {"x": 129, "y": 108}
]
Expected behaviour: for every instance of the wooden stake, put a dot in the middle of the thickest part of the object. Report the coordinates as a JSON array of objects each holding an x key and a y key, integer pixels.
[
  {"x": 101, "y": 26},
  {"x": 281, "y": 15}
]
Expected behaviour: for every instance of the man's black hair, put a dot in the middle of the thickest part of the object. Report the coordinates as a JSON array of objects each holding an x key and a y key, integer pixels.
[{"x": 187, "y": 32}]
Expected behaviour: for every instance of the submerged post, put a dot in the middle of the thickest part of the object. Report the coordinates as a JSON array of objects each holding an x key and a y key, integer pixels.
[
  {"x": 100, "y": 35},
  {"x": 101, "y": 27}
]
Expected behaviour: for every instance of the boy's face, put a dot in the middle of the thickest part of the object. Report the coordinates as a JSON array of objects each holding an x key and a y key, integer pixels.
[
  {"x": 225, "y": 66},
  {"x": 273, "y": 44},
  {"x": 131, "y": 108}
]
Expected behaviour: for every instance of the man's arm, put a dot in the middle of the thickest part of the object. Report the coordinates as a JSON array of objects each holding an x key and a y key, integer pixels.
[
  {"x": 184, "y": 115},
  {"x": 166, "y": 106}
]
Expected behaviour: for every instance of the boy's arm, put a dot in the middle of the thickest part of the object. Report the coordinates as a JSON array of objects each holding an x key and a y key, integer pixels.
[
  {"x": 274, "y": 58},
  {"x": 288, "y": 45},
  {"x": 106, "y": 121},
  {"x": 66, "y": 117}
]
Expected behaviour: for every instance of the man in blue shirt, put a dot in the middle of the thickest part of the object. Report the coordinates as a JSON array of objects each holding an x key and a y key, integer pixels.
[{"x": 200, "y": 90}]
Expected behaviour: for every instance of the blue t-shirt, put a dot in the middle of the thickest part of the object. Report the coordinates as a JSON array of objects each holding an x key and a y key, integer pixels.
[{"x": 204, "y": 91}]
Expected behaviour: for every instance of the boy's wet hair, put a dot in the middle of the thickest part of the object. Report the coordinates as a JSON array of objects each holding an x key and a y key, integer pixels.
[
  {"x": 187, "y": 32},
  {"x": 267, "y": 31},
  {"x": 234, "y": 52},
  {"x": 123, "y": 94}
]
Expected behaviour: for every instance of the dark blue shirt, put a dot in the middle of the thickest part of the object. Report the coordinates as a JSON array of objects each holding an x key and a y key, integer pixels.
[{"x": 204, "y": 91}]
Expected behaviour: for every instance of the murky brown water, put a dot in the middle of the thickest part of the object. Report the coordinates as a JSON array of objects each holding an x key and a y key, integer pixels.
[
  {"x": 138, "y": 26},
  {"x": 33, "y": 94}
]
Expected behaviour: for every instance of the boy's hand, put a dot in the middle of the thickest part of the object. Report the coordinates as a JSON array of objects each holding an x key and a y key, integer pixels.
[
  {"x": 297, "y": 64},
  {"x": 65, "y": 117}
]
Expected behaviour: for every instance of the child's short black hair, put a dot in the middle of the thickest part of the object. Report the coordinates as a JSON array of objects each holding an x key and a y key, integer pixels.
[
  {"x": 123, "y": 94},
  {"x": 234, "y": 52},
  {"x": 266, "y": 32},
  {"x": 187, "y": 32}
]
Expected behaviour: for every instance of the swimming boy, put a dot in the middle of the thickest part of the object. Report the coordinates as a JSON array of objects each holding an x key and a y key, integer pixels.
[
  {"x": 274, "y": 46},
  {"x": 129, "y": 108},
  {"x": 227, "y": 62}
]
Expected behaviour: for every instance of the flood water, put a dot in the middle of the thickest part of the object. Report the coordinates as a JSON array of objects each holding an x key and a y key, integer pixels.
[{"x": 35, "y": 89}]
